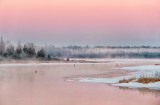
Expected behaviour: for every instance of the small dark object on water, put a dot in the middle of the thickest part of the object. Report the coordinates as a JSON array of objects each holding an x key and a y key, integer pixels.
[
  {"x": 35, "y": 71},
  {"x": 67, "y": 59},
  {"x": 117, "y": 64}
]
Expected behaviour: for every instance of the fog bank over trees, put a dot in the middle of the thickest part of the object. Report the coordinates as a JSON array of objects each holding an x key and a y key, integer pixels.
[{"x": 32, "y": 51}]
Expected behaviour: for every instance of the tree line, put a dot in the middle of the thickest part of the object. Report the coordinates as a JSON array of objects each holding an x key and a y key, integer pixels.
[{"x": 28, "y": 50}]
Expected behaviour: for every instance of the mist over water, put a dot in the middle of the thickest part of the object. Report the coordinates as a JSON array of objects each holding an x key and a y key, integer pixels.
[{"x": 20, "y": 85}]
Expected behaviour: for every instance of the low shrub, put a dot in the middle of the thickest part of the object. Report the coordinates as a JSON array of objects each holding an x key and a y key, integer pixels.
[
  {"x": 146, "y": 80},
  {"x": 127, "y": 80}
]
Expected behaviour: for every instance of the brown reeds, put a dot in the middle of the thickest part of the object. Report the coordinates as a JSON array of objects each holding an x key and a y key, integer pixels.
[
  {"x": 127, "y": 80},
  {"x": 146, "y": 80}
]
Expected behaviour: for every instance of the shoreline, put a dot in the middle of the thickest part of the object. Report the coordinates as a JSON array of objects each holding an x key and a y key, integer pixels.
[
  {"x": 112, "y": 73},
  {"x": 136, "y": 72},
  {"x": 48, "y": 84}
]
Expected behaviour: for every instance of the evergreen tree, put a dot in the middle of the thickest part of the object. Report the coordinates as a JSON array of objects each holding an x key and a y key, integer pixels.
[
  {"x": 41, "y": 54},
  {"x": 2, "y": 47},
  {"x": 19, "y": 49},
  {"x": 10, "y": 50},
  {"x": 29, "y": 50}
]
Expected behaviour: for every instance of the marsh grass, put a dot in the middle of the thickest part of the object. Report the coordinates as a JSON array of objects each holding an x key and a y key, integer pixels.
[
  {"x": 150, "y": 79},
  {"x": 127, "y": 80},
  {"x": 144, "y": 79}
]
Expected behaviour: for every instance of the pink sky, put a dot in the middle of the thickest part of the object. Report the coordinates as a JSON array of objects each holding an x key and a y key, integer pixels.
[{"x": 97, "y": 19}]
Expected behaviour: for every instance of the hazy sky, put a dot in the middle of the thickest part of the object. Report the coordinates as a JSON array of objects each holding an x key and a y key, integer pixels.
[{"x": 81, "y": 22}]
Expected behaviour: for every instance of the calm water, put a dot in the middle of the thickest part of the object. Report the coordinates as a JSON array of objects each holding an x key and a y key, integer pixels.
[{"x": 20, "y": 85}]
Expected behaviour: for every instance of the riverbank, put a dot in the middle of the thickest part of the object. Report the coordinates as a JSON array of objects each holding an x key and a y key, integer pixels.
[
  {"x": 132, "y": 78},
  {"x": 20, "y": 85}
]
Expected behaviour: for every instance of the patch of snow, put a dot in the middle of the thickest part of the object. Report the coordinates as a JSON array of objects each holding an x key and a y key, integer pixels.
[
  {"x": 141, "y": 70},
  {"x": 99, "y": 80},
  {"x": 155, "y": 85}
]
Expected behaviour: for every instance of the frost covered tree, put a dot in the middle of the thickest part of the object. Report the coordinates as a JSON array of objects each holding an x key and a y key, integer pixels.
[
  {"x": 41, "y": 54},
  {"x": 10, "y": 50},
  {"x": 2, "y": 47},
  {"x": 29, "y": 50},
  {"x": 18, "y": 51}
]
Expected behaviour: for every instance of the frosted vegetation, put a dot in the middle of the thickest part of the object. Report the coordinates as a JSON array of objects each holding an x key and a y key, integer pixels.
[
  {"x": 157, "y": 74},
  {"x": 30, "y": 50},
  {"x": 147, "y": 76},
  {"x": 104, "y": 52}
]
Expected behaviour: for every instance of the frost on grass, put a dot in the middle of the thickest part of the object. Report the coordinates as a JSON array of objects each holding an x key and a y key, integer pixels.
[
  {"x": 143, "y": 79},
  {"x": 146, "y": 77}
]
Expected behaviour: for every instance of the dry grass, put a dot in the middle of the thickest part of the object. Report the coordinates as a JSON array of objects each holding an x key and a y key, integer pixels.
[
  {"x": 146, "y": 80},
  {"x": 127, "y": 80}
]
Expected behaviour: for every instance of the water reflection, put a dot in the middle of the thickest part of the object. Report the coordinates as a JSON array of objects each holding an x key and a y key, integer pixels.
[
  {"x": 21, "y": 74},
  {"x": 22, "y": 86},
  {"x": 142, "y": 91}
]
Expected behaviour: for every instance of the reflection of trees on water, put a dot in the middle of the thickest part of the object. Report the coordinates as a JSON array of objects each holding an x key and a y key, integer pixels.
[
  {"x": 21, "y": 74},
  {"x": 142, "y": 91}
]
